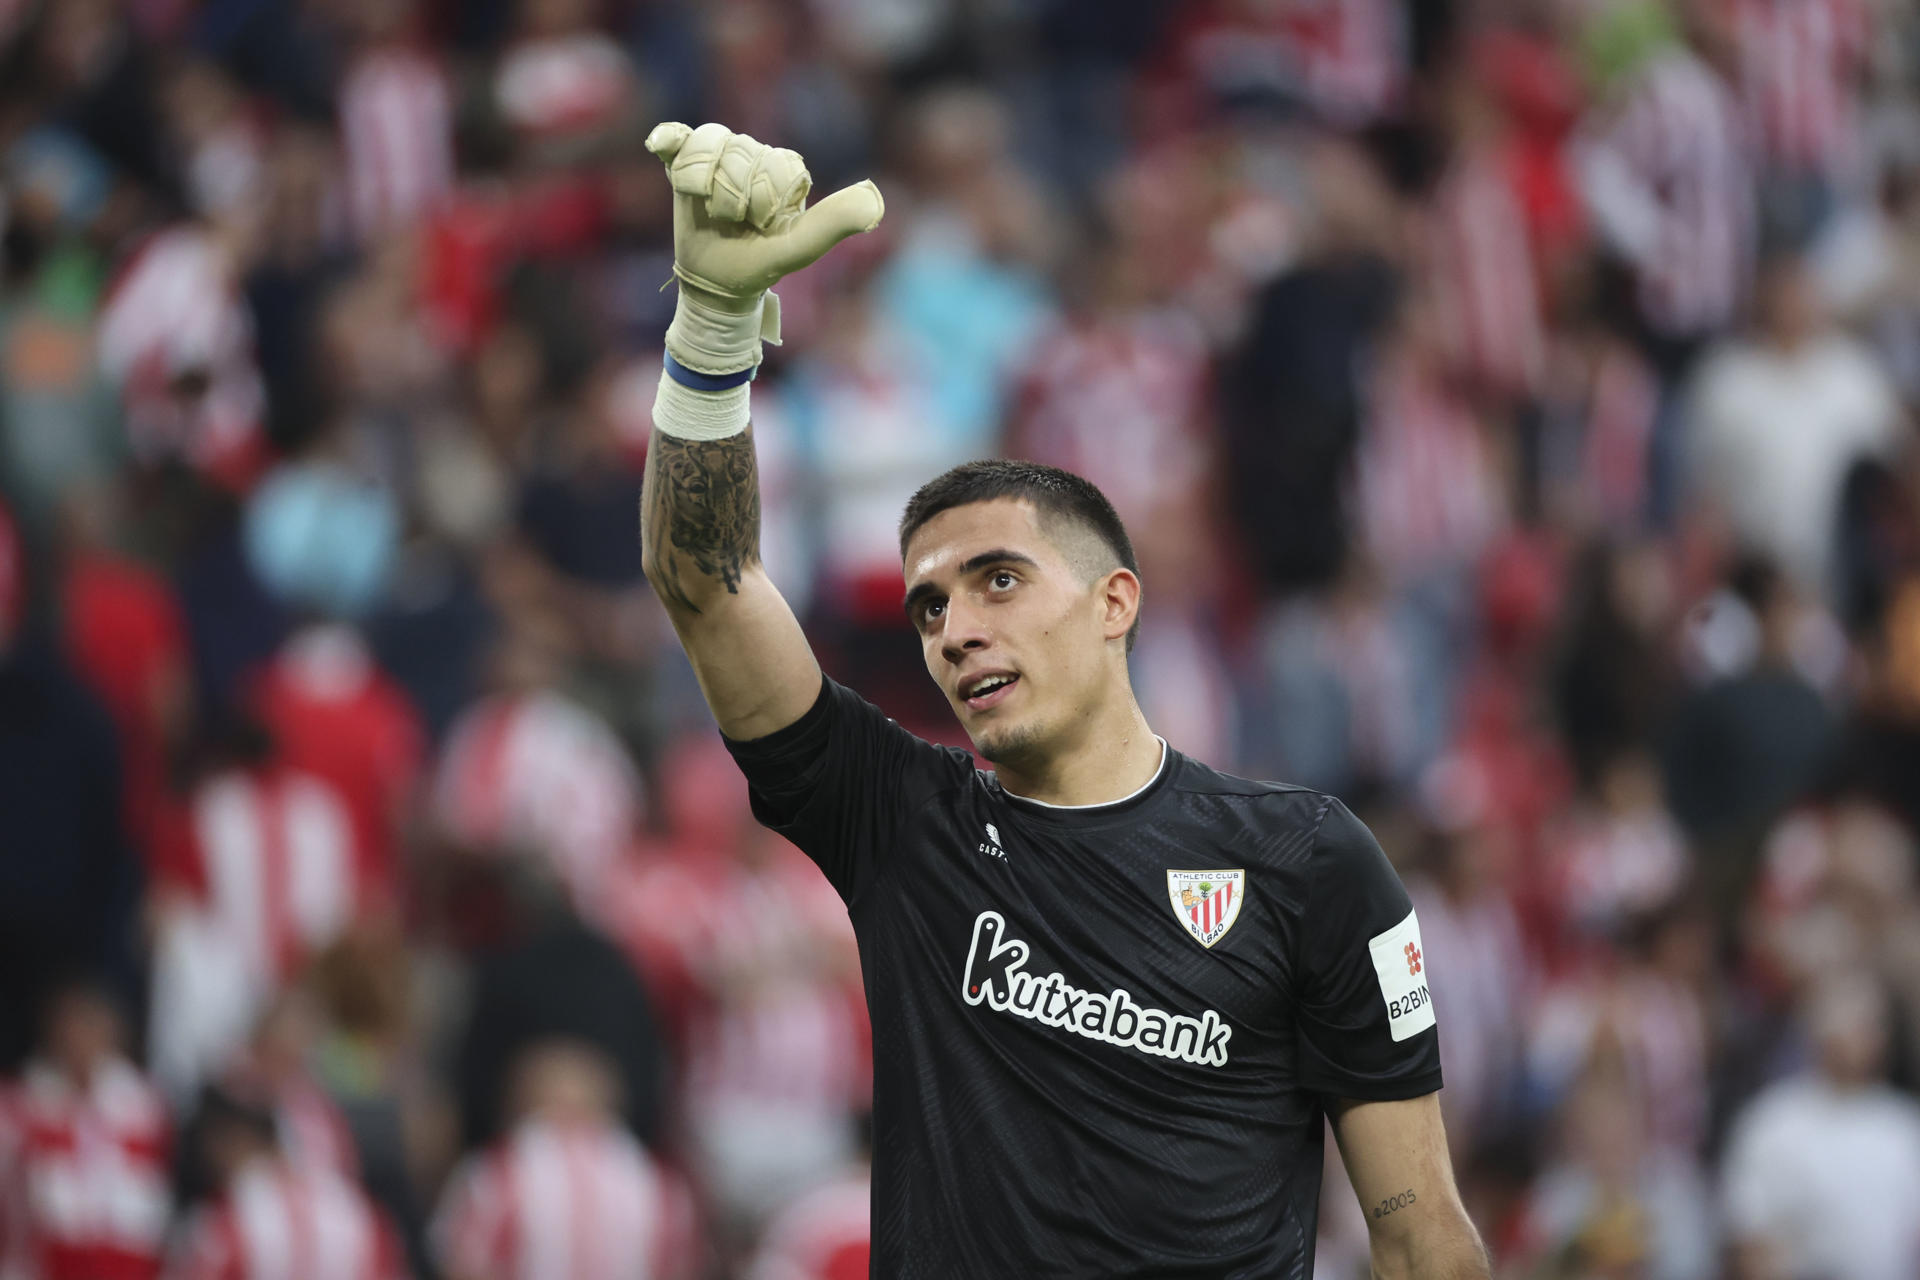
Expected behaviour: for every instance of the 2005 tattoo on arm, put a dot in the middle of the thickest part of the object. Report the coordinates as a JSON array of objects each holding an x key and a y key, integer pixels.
[
  {"x": 699, "y": 514},
  {"x": 1392, "y": 1203}
]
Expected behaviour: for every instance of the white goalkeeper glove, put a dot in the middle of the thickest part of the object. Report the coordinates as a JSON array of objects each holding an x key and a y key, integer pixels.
[{"x": 740, "y": 223}]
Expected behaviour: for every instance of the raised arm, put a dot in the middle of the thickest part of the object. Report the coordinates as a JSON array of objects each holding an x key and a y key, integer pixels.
[
  {"x": 740, "y": 223},
  {"x": 1396, "y": 1158}
]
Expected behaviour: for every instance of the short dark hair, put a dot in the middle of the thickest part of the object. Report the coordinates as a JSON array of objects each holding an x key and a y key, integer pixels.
[{"x": 1057, "y": 495}]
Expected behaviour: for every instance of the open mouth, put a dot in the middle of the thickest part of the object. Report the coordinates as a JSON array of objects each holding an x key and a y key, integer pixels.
[{"x": 988, "y": 690}]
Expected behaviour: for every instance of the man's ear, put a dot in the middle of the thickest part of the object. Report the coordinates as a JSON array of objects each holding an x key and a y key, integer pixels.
[{"x": 1119, "y": 595}]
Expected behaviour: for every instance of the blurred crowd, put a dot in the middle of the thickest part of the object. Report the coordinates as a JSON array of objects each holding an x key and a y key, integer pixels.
[{"x": 1512, "y": 402}]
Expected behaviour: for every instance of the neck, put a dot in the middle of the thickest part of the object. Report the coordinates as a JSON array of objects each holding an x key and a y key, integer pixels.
[{"x": 1113, "y": 757}]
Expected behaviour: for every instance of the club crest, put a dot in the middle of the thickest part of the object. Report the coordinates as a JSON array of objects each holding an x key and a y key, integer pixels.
[{"x": 1207, "y": 902}]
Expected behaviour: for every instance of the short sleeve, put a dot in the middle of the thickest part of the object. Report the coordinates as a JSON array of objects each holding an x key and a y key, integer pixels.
[
  {"x": 840, "y": 781},
  {"x": 1365, "y": 1016}
]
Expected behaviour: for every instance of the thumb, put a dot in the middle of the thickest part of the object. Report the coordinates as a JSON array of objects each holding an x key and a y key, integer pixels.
[
  {"x": 831, "y": 220},
  {"x": 666, "y": 140}
]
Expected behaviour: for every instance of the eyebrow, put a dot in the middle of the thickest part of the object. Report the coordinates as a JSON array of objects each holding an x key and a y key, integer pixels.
[{"x": 999, "y": 555}]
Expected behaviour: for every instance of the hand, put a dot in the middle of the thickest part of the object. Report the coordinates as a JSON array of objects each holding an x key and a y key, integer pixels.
[{"x": 740, "y": 223}]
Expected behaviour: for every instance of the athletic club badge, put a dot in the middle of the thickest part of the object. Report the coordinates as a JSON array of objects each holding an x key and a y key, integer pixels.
[{"x": 1207, "y": 902}]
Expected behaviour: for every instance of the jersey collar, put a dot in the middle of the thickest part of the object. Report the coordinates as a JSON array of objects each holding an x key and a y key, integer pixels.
[{"x": 1092, "y": 810}]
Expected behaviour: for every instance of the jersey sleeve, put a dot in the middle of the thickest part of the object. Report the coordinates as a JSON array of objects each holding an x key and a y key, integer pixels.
[
  {"x": 840, "y": 781},
  {"x": 1366, "y": 1019}
]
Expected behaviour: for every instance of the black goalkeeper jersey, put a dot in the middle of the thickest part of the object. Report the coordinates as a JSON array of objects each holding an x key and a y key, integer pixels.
[{"x": 1103, "y": 1036}]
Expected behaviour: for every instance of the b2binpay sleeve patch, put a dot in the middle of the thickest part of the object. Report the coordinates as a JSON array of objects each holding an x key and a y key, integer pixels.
[{"x": 1400, "y": 963}]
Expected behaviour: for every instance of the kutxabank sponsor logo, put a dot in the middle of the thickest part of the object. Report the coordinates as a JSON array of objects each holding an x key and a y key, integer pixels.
[{"x": 996, "y": 976}]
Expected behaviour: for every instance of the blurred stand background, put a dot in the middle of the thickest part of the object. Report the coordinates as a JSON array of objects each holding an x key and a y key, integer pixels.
[{"x": 1512, "y": 402}]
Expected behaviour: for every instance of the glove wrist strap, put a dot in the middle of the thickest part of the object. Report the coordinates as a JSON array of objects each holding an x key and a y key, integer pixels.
[
  {"x": 709, "y": 337},
  {"x": 697, "y": 381}
]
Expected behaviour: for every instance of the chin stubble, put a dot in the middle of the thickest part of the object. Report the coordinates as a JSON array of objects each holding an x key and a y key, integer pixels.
[{"x": 1010, "y": 746}]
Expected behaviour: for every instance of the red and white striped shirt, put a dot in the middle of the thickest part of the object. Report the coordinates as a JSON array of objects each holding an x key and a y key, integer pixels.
[
  {"x": 396, "y": 125},
  {"x": 564, "y": 83},
  {"x": 274, "y": 850},
  {"x": 84, "y": 1191},
  {"x": 1798, "y": 62},
  {"x": 1354, "y": 53},
  {"x": 1620, "y": 417},
  {"x": 536, "y": 771},
  {"x": 263, "y": 877},
  {"x": 563, "y": 1202},
  {"x": 308, "y": 1122},
  {"x": 1665, "y": 173},
  {"x": 279, "y": 1221},
  {"x": 313, "y": 1130},
  {"x": 335, "y": 714},
  {"x": 1346, "y": 57},
  {"x": 1122, "y": 401},
  {"x": 825, "y": 1234},
  {"x": 1426, "y": 493},
  {"x": 779, "y": 930},
  {"x": 1482, "y": 268},
  {"x": 176, "y": 309},
  {"x": 1599, "y": 418}
]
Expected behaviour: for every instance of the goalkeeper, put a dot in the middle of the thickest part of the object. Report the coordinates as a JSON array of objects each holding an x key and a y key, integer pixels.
[{"x": 1114, "y": 992}]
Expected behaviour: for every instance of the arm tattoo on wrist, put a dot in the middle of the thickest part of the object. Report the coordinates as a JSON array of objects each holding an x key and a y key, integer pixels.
[
  {"x": 1393, "y": 1203},
  {"x": 700, "y": 513}
]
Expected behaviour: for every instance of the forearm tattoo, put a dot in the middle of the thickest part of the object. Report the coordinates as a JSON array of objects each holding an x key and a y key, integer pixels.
[
  {"x": 699, "y": 514},
  {"x": 1393, "y": 1204}
]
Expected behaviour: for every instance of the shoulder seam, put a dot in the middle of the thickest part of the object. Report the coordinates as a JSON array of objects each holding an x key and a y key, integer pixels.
[{"x": 1306, "y": 895}]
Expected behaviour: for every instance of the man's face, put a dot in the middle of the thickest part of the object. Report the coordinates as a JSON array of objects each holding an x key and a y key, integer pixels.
[
  {"x": 1015, "y": 636},
  {"x": 83, "y": 1030}
]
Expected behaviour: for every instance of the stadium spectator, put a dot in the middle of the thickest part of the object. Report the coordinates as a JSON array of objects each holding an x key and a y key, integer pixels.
[
  {"x": 1479, "y": 258},
  {"x": 1611, "y": 1202},
  {"x": 1598, "y": 403},
  {"x": 1801, "y": 1152},
  {"x": 1480, "y": 978},
  {"x": 331, "y": 331},
  {"x": 566, "y": 1193},
  {"x": 60, "y": 425},
  {"x": 1776, "y": 421},
  {"x": 1663, "y": 170},
  {"x": 125, "y": 637},
  {"x": 396, "y": 122},
  {"x": 1613, "y": 678},
  {"x": 1753, "y": 734},
  {"x": 822, "y": 1234},
  {"x": 1116, "y": 388},
  {"x": 261, "y": 875},
  {"x": 527, "y": 772},
  {"x": 548, "y": 975},
  {"x": 334, "y": 714},
  {"x": 176, "y": 339},
  {"x": 1427, "y": 496},
  {"x": 1311, "y": 333},
  {"x": 1798, "y": 69},
  {"x": 777, "y": 1062},
  {"x": 271, "y": 1216},
  {"x": 277, "y": 1067},
  {"x": 84, "y": 1147},
  {"x": 70, "y": 883}
]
